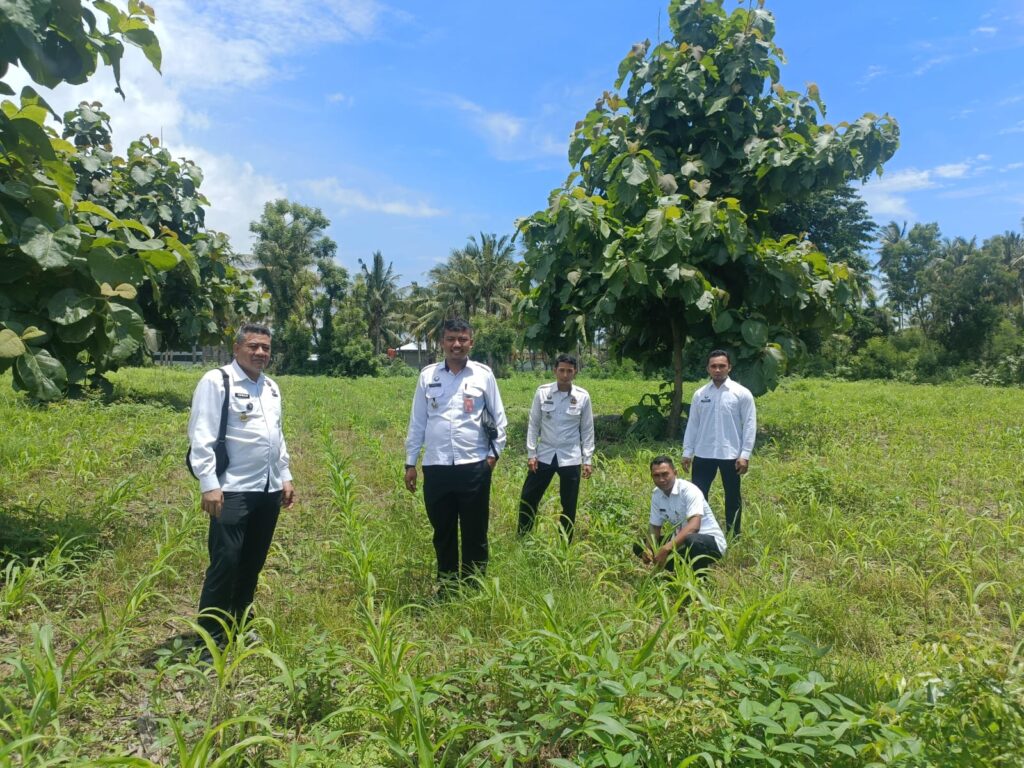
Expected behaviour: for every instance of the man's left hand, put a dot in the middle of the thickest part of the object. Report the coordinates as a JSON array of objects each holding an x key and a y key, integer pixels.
[
  {"x": 661, "y": 556},
  {"x": 491, "y": 461},
  {"x": 741, "y": 466},
  {"x": 288, "y": 495},
  {"x": 588, "y": 470}
]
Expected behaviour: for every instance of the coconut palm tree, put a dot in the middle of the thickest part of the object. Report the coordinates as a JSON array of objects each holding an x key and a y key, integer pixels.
[{"x": 382, "y": 301}]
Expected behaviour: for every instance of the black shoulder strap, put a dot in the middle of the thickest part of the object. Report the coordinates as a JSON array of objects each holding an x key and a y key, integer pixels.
[{"x": 223, "y": 430}]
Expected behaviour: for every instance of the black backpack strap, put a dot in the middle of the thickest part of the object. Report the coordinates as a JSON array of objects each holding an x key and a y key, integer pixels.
[{"x": 222, "y": 431}]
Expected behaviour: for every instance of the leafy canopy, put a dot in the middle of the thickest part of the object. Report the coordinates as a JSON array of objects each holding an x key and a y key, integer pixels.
[{"x": 664, "y": 226}]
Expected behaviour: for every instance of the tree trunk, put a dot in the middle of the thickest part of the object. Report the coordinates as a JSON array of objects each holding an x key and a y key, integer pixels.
[{"x": 677, "y": 384}]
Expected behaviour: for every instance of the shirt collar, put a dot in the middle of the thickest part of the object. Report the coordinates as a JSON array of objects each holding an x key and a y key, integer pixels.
[
  {"x": 677, "y": 488},
  {"x": 241, "y": 375},
  {"x": 725, "y": 384}
]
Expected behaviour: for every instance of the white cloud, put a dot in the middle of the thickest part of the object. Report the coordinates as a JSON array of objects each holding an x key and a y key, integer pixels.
[
  {"x": 875, "y": 70},
  {"x": 349, "y": 199},
  {"x": 242, "y": 42},
  {"x": 889, "y": 196},
  {"x": 985, "y": 30},
  {"x": 510, "y": 137},
  {"x": 1018, "y": 128},
  {"x": 952, "y": 171},
  {"x": 237, "y": 193},
  {"x": 1011, "y": 167},
  {"x": 1011, "y": 100},
  {"x": 340, "y": 98}
]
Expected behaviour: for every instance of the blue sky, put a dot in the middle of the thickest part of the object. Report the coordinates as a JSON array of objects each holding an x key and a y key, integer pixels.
[{"x": 413, "y": 125}]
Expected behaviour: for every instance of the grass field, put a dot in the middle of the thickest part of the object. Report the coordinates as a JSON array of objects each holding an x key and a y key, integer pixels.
[{"x": 872, "y": 613}]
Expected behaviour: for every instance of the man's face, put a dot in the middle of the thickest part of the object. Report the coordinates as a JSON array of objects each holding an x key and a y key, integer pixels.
[
  {"x": 718, "y": 368},
  {"x": 253, "y": 353},
  {"x": 664, "y": 476},
  {"x": 565, "y": 373},
  {"x": 456, "y": 345}
]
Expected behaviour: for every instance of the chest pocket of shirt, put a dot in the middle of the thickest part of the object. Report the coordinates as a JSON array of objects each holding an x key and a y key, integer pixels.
[
  {"x": 548, "y": 406},
  {"x": 477, "y": 394},
  {"x": 242, "y": 409},
  {"x": 573, "y": 410}
]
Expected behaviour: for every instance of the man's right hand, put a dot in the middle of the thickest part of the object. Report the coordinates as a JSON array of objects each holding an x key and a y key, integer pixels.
[
  {"x": 410, "y": 479},
  {"x": 532, "y": 464},
  {"x": 212, "y": 503},
  {"x": 686, "y": 463}
]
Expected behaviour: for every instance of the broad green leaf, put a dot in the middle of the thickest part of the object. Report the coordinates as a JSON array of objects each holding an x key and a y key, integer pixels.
[
  {"x": 11, "y": 344},
  {"x": 637, "y": 272},
  {"x": 126, "y": 333},
  {"x": 31, "y": 333},
  {"x": 161, "y": 260},
  {"x": 634, "y": 170},
  {"x": 87, "y": 206},
  {"x": 49, "y": 249},
  {"x": 41, "y": 375},
  {"x": 76, "y": 333},
  {"x": 106, "y": 267},
  {"x": 755, "y": 333},
  {"x": 722, "y": 322},
  {"x": 69, "y": 306}
]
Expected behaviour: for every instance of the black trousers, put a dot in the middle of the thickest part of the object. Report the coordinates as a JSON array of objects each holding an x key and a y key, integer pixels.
[
  {"x": 537, "y": 483},
  {"x": 699, "y": 549},
  {"x": 457, "y": 498},
  {"x": 238, "y": 543},
  {"x": 704, "y": 471}
]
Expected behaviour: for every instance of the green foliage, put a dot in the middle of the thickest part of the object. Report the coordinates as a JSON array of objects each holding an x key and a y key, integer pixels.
[
  {"x": 95, "y": 250},
  {"x": 661, "y": 230},
  {"x": 381, "y": 302},
  {"x": 289, "y": 240},
  {"x": 495, "y": 340}
]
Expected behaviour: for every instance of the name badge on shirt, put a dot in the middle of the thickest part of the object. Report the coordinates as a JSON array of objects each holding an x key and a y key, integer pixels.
[{"x": 467, "y": 404}]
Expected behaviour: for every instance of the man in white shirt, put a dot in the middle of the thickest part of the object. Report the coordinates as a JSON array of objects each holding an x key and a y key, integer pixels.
[
  {"x": 696, "y": 535},
  {"x": 720, "y": 435},
  {"x": 243, "y": 501},
  {"x": 455, "y": 401},
  {"x": 559, "y": 438}
]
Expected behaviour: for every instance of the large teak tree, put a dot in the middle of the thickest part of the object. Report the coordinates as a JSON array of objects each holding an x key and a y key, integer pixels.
[{"x": 664, "y": 228}]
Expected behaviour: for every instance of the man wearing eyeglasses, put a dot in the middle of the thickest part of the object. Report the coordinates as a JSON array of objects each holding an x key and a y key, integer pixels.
[{"x": 454, "y": 403}]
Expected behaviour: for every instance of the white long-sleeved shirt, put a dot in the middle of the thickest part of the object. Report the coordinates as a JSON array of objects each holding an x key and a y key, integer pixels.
[
  {"x": 446, "y": 411},
  {"x": 561, "y": 424},
  {"x": 257, "y": 454},
  {"x": 684, "y": 502},
  {"x": 722, "y": 423}
]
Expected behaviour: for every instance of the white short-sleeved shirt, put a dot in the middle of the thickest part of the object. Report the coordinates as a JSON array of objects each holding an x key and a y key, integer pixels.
[
  {"x": 446, "y": 412},
  {"x": 722, "y": 422},
  {"x": 561, "y": 424},
  {"x": 684, "y": 502},
  {"x": 257, "y": 454}
]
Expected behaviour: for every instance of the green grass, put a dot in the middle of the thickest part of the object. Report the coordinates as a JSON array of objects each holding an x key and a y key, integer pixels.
[{"x": 871, "y": 614}]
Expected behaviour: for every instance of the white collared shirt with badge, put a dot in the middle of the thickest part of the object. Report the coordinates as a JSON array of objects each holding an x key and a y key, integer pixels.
[
  {"x": 684, "y": 502},
  {"x": 446, "y": 412},
  {"x": 257, "y": 455},
  {"x": 561, "y": 424},
  {"x": 722, "y": 422}
]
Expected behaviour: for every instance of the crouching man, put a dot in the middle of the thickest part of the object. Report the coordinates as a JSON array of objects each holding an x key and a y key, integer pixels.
[{"x": 696, "y": 536}]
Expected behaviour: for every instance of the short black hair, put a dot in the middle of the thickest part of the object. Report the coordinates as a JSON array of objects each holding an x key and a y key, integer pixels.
[
  {"x": 719, "y": 353},
  {"x": 663, "y": 459},
  {"x": 455, "y": 324},
  {"x": 250, "y": 328},
  {"x": 565, "y": 358}
]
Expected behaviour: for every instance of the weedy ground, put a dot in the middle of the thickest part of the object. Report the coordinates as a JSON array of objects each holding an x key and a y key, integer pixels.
[{"x": 871, "y": 614}]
